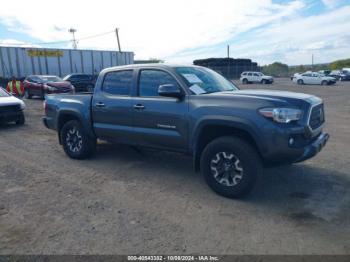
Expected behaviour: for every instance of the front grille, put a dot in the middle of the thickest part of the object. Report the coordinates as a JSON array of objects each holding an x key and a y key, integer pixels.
[
  {"x": 10, "y": 108},
  {"x": 316, "y": 116}
]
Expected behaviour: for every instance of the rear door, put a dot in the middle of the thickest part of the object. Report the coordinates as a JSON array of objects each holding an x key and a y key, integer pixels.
[
  {"x": 159, "y": 121},
  {"x": 307, "y": 79},
  {"x": 112, "y": 107},
  {"x": 256, "y": 77}
]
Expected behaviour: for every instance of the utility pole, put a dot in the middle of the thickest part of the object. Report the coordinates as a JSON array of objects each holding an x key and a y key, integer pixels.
[
  {"x": 74, "y": 41},
  {"x": 117, "y": 34},
  {"x": 228, "y": 61},
  {"x": 312, "y": 61}
]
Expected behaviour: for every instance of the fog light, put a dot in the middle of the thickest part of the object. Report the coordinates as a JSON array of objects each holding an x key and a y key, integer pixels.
[{"x": 291, "y": 141}]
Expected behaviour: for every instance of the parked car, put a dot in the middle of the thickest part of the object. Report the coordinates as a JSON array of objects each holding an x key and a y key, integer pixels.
[
  {"x": 40, "y": 85},
  {"x": 324, "y": 72},
  {"x": 11, "y": 108},
  {"x": 230, "y": 133},
  {"x": 255, "y": 77},
  {"x": 313, "y": 78},
  {"x": 345, "y": 75},
  {"x": 81, "y": 82},
  {"x": 294, "y": 76},
  {"x": 336, "y": 74},
  {"x": 340, "y": 75}
]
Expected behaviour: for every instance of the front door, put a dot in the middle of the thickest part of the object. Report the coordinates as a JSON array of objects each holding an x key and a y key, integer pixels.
[
  {"x": 112, "y": 107},
  {"x": 159, "y": 121}
]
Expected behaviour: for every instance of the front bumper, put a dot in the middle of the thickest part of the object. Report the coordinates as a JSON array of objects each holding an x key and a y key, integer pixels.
[
  {"x": 10, "y": 116},
  {"x": 314, "y": 148}
]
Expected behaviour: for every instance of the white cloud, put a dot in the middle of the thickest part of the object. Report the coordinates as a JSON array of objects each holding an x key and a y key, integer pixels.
[
  {"x": 14, "y": 42},
  {"x": 331, "y": 3},
  {"x": 183, "y": 30},
  {"x": 152, "y": 28},
  {"x": 294, "y": 40}
]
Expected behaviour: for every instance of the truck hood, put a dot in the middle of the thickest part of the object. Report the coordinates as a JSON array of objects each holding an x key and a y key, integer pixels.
[
  {"x": 10, "y": 100},
  {"x": 273, "y": 95}
]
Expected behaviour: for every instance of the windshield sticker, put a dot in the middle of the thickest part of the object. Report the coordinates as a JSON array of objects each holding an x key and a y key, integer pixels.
[
  {"x": 192, "y": 78},
  {"x": 197, "y": 89}
]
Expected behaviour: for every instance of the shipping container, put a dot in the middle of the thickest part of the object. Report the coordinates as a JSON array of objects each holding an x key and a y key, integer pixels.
[
  {"x": 229, "y": 67},
  {"x": 23, "y": 61}
]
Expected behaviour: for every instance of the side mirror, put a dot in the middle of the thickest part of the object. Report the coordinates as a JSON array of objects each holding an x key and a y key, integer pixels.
[{"x": 170, "y": 90}]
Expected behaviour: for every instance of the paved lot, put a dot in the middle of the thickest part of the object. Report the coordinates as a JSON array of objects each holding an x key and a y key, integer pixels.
[{"x": 125, "y": 201}]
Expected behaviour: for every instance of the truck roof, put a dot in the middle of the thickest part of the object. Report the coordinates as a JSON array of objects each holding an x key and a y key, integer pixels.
[{"x": 150, "y": 65}]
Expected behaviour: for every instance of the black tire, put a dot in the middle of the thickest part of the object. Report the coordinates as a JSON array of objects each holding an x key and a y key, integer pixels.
[
  {"x": 248, "y": 161},
  {"x": 300, "y": 82},
  {"x": 76, "y": 143},
  {"x": 263, "y": 82},
  {"x": 324, "y": 83},
  {"x": 245, "y": 81},
  {"x": 27, "y": 95},
  {"x": 21, "y": 120}
]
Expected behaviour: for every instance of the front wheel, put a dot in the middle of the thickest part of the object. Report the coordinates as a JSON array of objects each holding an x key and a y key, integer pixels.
[
  {"x": 324, "y": 83},
  {"x": 300, "y": 82},
  {"x": 21, "y": 120},
  {"x": 230, "y": 166},
  {"x": 76, "y": 143},
  {"x": 263, "y": 82},
  {"x": 245, "y": 81}
]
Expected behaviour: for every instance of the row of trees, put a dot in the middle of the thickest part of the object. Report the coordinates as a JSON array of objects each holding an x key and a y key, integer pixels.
[{"x": 282, "y": 70}]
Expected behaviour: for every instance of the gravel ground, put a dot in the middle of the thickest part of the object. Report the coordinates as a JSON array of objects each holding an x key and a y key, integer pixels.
[{"x": 125, "y": 201}]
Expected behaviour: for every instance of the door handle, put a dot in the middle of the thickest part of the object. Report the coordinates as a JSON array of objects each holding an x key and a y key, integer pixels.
[
  {"x": 100, "y": 104},
  {"x": 139, "y": 107}
]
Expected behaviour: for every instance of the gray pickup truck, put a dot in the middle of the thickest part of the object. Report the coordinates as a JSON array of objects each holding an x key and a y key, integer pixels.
[{"x": 231, "y": 134}]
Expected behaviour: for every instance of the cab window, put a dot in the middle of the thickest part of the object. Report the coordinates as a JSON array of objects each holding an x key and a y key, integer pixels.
[
  {"x": 118, "y": 82},
  {"x": 150, "y": 80}
]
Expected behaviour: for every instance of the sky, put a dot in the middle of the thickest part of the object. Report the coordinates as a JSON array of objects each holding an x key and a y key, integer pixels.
[{"x": 179, "y": 31}]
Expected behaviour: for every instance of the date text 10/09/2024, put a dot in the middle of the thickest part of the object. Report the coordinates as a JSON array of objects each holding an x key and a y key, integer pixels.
[{"x": 173, "y": 258}]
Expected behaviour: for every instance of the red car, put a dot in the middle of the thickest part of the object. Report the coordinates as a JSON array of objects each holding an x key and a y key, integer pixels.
[{"x": 40, "y": 85}]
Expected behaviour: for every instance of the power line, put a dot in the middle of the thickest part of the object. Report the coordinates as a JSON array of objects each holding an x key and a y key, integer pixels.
[{"x": 63, "y": 41}]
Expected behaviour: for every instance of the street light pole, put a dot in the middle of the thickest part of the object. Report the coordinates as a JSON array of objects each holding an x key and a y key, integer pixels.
[
  {"x": 117, "y": 34},
  {"x": 74, "y": 41}
]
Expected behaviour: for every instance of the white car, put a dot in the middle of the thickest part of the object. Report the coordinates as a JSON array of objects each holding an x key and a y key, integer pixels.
[
  {"x": 255, "y": 77},
  {"x": 313, "y": 78},
  {"x": 11, "y": 108}
]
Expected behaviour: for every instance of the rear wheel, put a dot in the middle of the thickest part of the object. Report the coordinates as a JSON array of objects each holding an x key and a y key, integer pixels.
[
  {"x": 300, "y": 82},
  {"x": 245, "y": 81},
  {"x": 230, "y": 166},
  {"x": 76, "y": 143}
]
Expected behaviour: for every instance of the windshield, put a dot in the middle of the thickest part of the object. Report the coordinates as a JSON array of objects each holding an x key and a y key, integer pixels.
[
  {"x": 46, "y": 79},
  {"x": 3, "y": 93},
  {"x": 204, "y": 80}
]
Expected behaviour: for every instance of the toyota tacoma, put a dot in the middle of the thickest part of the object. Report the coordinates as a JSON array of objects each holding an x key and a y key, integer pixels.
[{"x": 230, "y": 133}]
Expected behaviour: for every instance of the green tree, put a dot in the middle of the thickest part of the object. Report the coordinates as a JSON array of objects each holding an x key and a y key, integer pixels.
[
  {"x": 276, "y": 69},
  {"x": 339, "y": 64}
]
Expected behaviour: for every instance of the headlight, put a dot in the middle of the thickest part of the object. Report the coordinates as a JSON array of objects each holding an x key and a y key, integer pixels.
[
  {"x": 50, "y": 88},
  {"x": 282, "y": 115},
  {"x": 23, "y": 105}
]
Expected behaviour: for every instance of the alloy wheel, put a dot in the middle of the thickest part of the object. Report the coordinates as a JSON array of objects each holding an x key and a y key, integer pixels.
[
  {"x": 226, "y": 169},
  {"x": 74, "y": 140}
]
